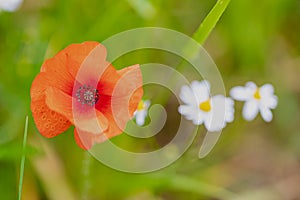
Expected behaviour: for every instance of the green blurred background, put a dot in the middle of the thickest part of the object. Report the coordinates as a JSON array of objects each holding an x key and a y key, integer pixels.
[{"x": 254, "y": 40}]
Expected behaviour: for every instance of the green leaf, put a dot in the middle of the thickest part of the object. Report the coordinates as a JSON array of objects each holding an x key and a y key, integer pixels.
[{"x": 210, "y": 21}]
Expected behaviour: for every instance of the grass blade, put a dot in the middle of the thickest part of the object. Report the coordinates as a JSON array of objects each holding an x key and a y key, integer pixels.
[
  {"x": 23, "y": 159},
  {"x": 200, "y": 36},
  {"x": 210, "y": 21}
]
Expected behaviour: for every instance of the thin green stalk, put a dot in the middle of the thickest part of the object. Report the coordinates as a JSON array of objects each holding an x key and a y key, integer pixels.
[
  {"x": 200, "y": 35},
  {"x": 210, "y": 21},
  {"x": 23, "y": 159}
]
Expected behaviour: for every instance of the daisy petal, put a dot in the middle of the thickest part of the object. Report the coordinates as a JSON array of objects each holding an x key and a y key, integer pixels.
[
  {"x": 140, "y": 117},
  {"x": 266, "y": 114},
  {"x": 186, "y": 110},
  {"x": 222, "y": 112},
  {"x": 212, "y": 125},
  {"x": 187, "y": 96},
  {"x": 239, "y": 93},
  {"x": 147, "y": 104},
  {"x": 191, "y": 113},
  {"x": 267, "y": 89},
  {"x": 218, "y": 108},
  {"x": 10, "y": 5},
  {"x": 251, "y": 85},
  {"x": 201, "y": 90},
  {"x": 197, "y": 119},
  {"x": 229, "y": 110},
  {"x": 270, "y": 101},
  {"x": 250, "y": 110}
]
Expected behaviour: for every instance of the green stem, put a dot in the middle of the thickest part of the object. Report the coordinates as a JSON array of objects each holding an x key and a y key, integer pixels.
[
  {"x": 200, "y": 36},
  {"x": 23, "y": 159},
  {"x": 210, "y": 21}
]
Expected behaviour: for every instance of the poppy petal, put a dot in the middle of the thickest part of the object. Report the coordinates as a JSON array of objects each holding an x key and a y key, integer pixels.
[
  {"x": 78, "y": 53},
  {"x": 106, "y": 87},
  {"x": 54, "y": 94},
  {"x": 39, "y": 85},
  {"x": 114, "y": 128},
  {"x": 127, "y": 95},
  {"x": 93, "y": 67},
  {"x": 93, "y": 121},
  {"x": 86, "y": 140},
  {"x": 108, "y": 80},
  {"x": 124, "y": 101},
  {"x": 59, "y": 102},
  {"x": 44, "y": 80},
  {"x": 56, "y": 73},
  {"x": 48, "y": 122}
]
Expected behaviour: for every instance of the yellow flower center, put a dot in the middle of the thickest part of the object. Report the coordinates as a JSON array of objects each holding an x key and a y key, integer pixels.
[
  {"x": 257, "y": 95},
  {"x": 205, "y": 106},
  {"x": 141, "y": 106}
]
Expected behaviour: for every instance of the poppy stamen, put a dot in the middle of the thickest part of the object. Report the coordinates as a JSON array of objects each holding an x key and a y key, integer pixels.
[{"x": 86, "y": 94}]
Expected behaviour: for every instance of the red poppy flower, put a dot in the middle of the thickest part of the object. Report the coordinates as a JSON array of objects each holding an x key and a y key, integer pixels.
[{"x": 78, "y": 86}]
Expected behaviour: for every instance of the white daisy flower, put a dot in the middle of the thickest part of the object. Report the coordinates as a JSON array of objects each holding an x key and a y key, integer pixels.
[
  {"x": 200, "y": 107},
  {"x": 258, "y": 99},
  {"x": 142, "y": 111},
  {"x": 10, "y": 5}
]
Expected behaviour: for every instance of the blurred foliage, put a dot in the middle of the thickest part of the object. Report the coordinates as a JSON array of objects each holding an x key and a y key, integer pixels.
[{"x": 253, "y": 40}]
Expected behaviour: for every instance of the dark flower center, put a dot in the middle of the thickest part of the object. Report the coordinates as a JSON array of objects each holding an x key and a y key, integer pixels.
[{"x": 87, "y": 94}]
